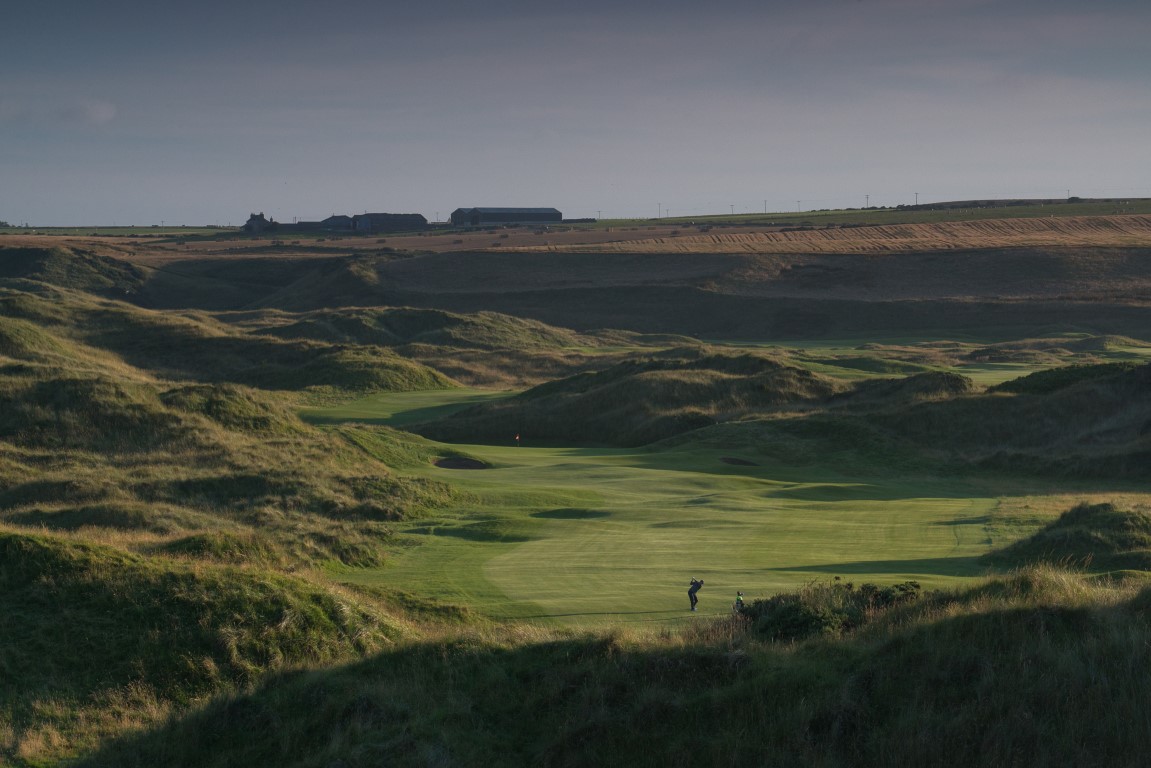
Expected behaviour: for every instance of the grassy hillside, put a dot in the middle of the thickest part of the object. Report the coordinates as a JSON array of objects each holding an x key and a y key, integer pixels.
[
  {"x": 394, "y": 327},
  {"x": 1041, "y": 666},
  {"x": 71, "y": 267},
  {"x": 485, "y": 349},
  {"x": 1099, "y": 537},
  {"x": 126, "y": 639},
  {"x": 989, "y": 293},
  {"x": 641, "y": 401},
  {"x": 160, "y": 516},
  {"x": 198, "y": 347},
  {"x": 121, "y": 451},
  {"x": 193, "y": 574},
  {"x": 1085, "y": 420}
]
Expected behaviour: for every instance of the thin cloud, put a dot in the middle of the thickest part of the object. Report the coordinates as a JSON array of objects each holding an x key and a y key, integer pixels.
[{"x": 74, "y": 113}]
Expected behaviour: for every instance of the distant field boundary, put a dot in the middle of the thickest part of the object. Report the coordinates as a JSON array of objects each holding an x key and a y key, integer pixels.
[{"x": 1077, "y": 231}]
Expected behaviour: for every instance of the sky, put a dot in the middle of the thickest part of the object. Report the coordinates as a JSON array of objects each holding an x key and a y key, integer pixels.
[{"x": 125, "y": 112}]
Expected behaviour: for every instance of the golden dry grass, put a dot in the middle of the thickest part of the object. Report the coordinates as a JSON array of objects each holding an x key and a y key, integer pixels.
[
  {"x": 670, "y": 237},
  {"x": 1079, "y": 231}
]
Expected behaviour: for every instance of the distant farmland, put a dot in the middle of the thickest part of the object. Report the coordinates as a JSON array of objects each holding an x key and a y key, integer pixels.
[{"x": 1076, "y": 231}]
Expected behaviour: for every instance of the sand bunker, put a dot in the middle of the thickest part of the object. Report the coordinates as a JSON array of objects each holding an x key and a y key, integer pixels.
[
  {"x": 738, "y": 462},
  {"x": 459, "y": 462}
]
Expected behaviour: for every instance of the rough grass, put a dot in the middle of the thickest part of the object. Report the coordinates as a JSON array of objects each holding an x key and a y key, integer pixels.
[
  {"x": 934, "y": 236},
  {"x": 1098, "y": 537},
  {"x": 166, "y": 438},
  {"x": 641, "y": 401},
  {"x": 80, "y": 268},
  {"x": 1054, "y": 379},
  {"x": 399, "y": 326},
  {"x": 91, "y": 443},
  {"x": 1044, "y": 666},
  {"x": 83, "y": 623},
  {"x": 1087, "y": 421}
]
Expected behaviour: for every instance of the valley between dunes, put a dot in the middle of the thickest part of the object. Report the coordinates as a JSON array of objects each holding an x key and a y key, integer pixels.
[{"x": 435, "y": 499}]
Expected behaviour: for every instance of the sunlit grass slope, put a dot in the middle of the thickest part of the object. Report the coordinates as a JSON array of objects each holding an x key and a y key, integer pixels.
[
  {"x": 642, "y": 400},
  {"x": 94, "y": 444},
  {"x": 1082, "y": 420},
  {"x": 173, "y": 540},
  {"x": 198, "y": 347},
  {"x": 486, "y": 349},
  {"x": 95, "y": 640},
  {"x": 161, "y": 519}
]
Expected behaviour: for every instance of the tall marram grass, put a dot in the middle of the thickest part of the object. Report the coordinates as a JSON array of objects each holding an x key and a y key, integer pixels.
[
  {"x": 89, "y": 627},
  {"x": 1041, "y": 667}
]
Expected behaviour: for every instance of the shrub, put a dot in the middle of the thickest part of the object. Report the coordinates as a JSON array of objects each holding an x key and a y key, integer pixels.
[{"x": 824, "y": 609}]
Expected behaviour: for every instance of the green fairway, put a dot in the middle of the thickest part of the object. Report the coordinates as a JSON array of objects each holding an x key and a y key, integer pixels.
[
  {"x": 606, "y": 536},
  {"x": 403, "y": 408}
]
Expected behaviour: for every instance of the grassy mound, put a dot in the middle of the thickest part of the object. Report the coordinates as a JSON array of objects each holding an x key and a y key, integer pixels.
[
  {"x": 1051, "y": 351},
  {"x": 399, "y": 326},
  {"x": 91, "y": 444},
  {"x": 934, "y": 385},
  {"x": 85, "y": 414},
  {"x": 1096, "y": 423},
  {"x": 64, "y": 327},
  {"x": 1099, "y": 537},
  {"x": 202, "y": 349},
  {"x": 84, "y": 622},
  {"x": 955, "y": 678},
  {"x": 641, "y": 401},
  {"x": 226, "y": 547},
  {"x": 69, "y": 267},
  {"x": 1055, "y": 379},
  {"x": 484, "y": 349},
  {"x": 114, "y": 514},
  {"x": 1090, "y": 422},
  {"x": 235, "y": 407}
]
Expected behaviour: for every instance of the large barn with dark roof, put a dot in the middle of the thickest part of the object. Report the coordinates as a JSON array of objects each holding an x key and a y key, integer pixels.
[{"x": 494, "y": 217}]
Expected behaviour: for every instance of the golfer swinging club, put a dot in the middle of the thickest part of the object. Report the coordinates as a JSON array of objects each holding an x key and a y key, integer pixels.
[{"x": 696, "y": 584}]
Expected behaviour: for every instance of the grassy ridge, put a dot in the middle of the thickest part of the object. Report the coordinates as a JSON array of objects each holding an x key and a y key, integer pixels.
[
  {"x": 640, "y": 401},
  {"x": 92, "y": 443},
  {"x": 1100, "y": 537},
  {"x": 1082, "y": 420},
  {"x": 1039, "y": 665},
  {"x": 485, "y": 349},
  {"x": 169, "y": 501},
  {"x": 195, "y": 346},
  {"x": 93, "y": 629},
  {"x": 399, "y": 326},
  {"x": 71, "y": 267},
  {"x": 171, "y": 534}
]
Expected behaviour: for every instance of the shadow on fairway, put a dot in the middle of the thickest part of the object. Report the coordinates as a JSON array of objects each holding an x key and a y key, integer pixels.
[
  {"x": 571, "y": 514},
  {"x": 600, "y": 613},
  {"x": 397, "y": 419},
  {"x": 934, "y": 566},
  {"x": 982, "y": 520}
]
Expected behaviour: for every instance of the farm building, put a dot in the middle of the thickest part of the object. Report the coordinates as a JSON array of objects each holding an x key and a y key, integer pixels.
[
  {"x": 370, "y": 223},
  {"x": 480, "y": 217},
  {"x": 364, "y": 223},
  {"x": 336, "y": 221},
  {"x": 257, "y": 223}
]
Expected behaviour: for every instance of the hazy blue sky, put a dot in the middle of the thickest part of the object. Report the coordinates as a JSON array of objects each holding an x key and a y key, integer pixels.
[{"x": 133, "y": 112}]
